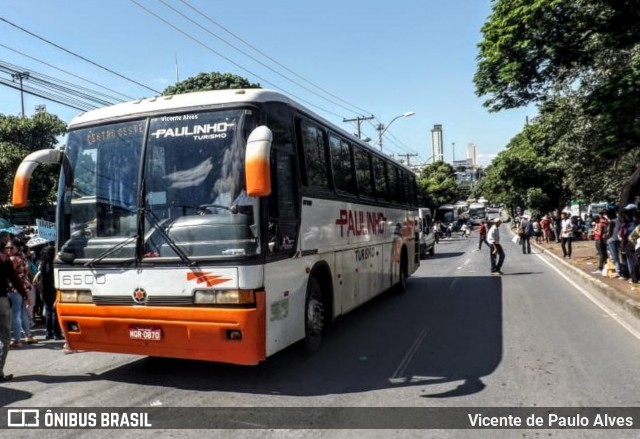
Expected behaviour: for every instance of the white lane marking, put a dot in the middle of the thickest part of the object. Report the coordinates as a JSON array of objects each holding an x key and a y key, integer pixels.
[
  {"x": 589, "y": 296},
  {"x": 402, "y": 367},
  {"x": 453, "y": 283}
]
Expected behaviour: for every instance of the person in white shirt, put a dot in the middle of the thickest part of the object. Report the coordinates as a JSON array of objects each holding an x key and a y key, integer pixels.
[
  {"x": 497, "y": 253},
  {"x": 566, "y": 234}
]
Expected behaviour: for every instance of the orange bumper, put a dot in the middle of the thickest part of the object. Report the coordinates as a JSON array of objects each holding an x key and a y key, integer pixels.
[{"x": 191, "y": 333}]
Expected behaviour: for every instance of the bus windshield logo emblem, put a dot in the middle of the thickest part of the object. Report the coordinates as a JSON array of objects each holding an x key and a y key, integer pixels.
[{"x": 139, "y": 296}]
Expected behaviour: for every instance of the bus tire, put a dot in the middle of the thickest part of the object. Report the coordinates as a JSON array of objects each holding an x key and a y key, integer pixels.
[{"x": 314, "y": 316}]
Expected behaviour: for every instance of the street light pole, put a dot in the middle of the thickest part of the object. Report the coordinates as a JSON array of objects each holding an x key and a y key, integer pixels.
[{"x": 382, "y": 129}]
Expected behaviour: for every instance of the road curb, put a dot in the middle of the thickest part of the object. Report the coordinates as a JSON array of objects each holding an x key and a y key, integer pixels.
[{"x": 627, "y": 303}]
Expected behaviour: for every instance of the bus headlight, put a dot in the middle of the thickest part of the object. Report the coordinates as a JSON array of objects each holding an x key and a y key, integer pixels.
[
  {"x": 224, "y": 297},
  {"x": 76, "y": 296}
]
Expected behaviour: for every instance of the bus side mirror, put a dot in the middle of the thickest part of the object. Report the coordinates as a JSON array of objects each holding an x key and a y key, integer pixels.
[
  {"x": 258, "y": 162},
  {"x": 20, "y": 193}
]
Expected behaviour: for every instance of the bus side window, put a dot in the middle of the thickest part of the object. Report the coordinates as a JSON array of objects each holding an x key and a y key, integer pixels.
[
  {"x": 316, "y": 162},
  {"x": 342, "y": 162},
  {"x": 380, "y": 178},
  {"x": 363, "y": 173}
]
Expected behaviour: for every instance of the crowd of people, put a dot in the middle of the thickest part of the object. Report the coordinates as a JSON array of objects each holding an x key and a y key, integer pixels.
[
  {"x": 27, "y": 294},
  {"x": 615, "y": 234}
]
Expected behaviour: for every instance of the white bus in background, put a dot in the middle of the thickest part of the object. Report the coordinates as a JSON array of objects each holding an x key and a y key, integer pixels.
[
  {"x": 477, "y": 213},
  {"x": 221, "y": 225}
]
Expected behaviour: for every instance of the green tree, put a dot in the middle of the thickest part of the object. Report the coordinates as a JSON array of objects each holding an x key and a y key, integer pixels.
[
  {"x": 537, "y": 51},
  {"x": 525, "y": 174},
  {"x": 437, "y": 185},
  {"x": 209, "y": 81},
  {"x": 20, "y": 136}
]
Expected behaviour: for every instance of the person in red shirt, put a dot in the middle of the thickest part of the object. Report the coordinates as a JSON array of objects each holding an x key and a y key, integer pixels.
[
  {"x": 482, "y": 233},
  {"x": 600, "y": 237},
  {"x": 545, "y": 225}
]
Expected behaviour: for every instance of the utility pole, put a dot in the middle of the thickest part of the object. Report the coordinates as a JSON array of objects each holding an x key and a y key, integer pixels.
[
  {"x": 381, "y": 129},
  {"x": 359, "y": 120},
  {"x": 453, "y": 148},
  {"x": 408, "y": 156},
  {"x": 20, "y": 76}
]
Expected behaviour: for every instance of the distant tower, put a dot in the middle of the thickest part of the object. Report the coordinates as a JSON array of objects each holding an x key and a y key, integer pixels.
[
  {"x": 472, "y": 154},
  {"x": 437, "y": 143}
]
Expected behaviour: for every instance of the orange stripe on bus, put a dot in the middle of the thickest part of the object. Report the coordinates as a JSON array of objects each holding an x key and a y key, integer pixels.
[{"x": 210, "y": 279}]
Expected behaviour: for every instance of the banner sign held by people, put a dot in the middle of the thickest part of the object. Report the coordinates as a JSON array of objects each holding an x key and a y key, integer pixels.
[{"x": 46, "y": 229}]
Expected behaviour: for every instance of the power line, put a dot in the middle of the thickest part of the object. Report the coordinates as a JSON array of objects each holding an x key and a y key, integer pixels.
[
  {"x": 70, "y": 74},
  {"x": 267, "y": 57},
  {"x": 43, "y": 95},
  {"x": 252, "y": 57},
  {"x": 53, "y": 89},
  {"x": 392, "y": 139},
  {"x": 58, "y": 84},
  {"x": 229, "y": 59},
  {"x": 78, "y": 56},
  {"x": 358, "y": 120}
]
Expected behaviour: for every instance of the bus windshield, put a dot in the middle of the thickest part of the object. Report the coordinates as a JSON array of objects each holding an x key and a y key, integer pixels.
[
  {"x": 179, "y": 176},
  {"x": 477, "y": 213}
]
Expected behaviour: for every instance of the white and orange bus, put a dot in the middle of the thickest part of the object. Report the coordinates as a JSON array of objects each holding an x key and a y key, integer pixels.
[{"x": 221, "y": 225}]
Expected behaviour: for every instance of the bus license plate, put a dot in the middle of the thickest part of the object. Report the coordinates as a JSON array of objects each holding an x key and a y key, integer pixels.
[{"x": 145, "y": 333}]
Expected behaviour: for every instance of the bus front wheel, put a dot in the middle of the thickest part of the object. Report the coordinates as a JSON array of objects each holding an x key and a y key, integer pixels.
[{"x": 314, "y": 317}]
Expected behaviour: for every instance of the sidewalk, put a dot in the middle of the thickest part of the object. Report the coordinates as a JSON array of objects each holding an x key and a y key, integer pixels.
[{"x": 583, "y": 261}]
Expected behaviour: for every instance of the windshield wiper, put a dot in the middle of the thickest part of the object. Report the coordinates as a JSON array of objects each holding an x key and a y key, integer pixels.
[
  {"x": 153, "y": 220},
  {"x": 110, "y": 251}
]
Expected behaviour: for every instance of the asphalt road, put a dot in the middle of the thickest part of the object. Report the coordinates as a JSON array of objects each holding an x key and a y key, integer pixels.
[{"x": 457, "y": 338}]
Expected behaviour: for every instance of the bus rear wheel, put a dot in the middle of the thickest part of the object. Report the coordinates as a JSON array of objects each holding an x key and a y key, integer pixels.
[{"x": 313, "y": 317}]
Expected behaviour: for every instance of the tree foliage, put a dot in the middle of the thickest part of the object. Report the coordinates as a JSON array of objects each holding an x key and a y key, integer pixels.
[
  {"x": 525, "y": 174},
  {"x": 20, "y": 136},
  {"x": 437, "y": 185},
  {"x": 581, "y": 56},
  {"x": 209, "y": 81}
]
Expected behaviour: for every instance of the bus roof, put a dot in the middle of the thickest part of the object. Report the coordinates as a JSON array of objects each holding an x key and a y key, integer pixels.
[
  {"x": 201, "y": 99},
  {"x": 162, "y": 104}
]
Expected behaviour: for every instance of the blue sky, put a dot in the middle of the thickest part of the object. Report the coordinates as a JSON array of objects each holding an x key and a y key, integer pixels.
[{"x": 377, "y": 57}]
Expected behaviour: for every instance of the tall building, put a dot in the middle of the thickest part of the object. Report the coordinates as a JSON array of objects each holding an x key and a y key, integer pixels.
[
  {"x": 437, "y": 142},
  {"x": 472, "y": 154}
]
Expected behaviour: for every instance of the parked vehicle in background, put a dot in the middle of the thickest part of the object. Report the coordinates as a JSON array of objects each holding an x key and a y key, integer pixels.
[
  {"x": 427, "y": 237},
  {"x": 447, "y": 214}
]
